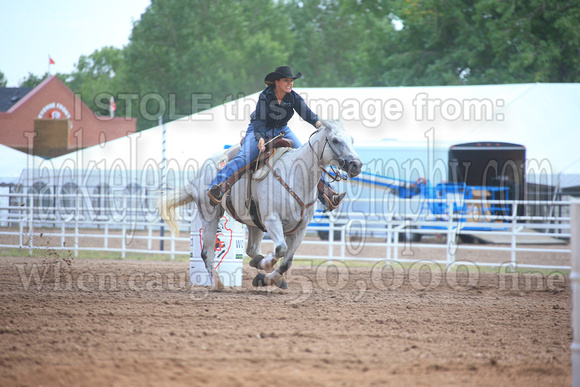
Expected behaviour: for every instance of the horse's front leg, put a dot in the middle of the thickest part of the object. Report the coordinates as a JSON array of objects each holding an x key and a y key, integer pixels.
[
  {"x": 277, "y": 277},
  {"x": 294, "y": 241},
  {"x": 274, "y": 226}
]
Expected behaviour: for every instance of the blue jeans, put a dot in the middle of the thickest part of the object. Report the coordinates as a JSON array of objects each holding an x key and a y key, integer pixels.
[{"x": 249, "y": 152}]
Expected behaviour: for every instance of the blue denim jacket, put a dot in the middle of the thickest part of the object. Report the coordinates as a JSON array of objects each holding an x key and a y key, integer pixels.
[{"x": 269, "y": 114}]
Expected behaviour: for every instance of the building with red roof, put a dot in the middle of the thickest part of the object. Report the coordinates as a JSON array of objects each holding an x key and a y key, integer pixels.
[{"x": 50, "y": 120}]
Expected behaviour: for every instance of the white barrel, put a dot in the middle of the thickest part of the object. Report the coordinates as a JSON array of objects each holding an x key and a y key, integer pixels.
[{"x": 229, "y": 253}]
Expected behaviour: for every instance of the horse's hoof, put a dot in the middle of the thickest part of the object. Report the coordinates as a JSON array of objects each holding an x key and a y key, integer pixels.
[
  {"x": 255, "y": 262},
  {"x": 259, "y": 280},
  {"x": 217, "y": 282},
  {"x": 282, "y": 284}
]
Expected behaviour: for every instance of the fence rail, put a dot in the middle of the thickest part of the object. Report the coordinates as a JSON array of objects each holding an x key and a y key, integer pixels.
[{"x": 129, "y": 224}]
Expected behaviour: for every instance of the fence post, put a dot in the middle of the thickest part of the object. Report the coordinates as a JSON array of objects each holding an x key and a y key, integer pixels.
[
  {"x": 330, "y": 240},
  {"x": 342, "y": 243},
  {"x": 22, "y": 219},
  {"x": 172, "y": 248},
  {"x": 76, "y": 246},
  {"x": 149, "y": 236},
  {"x": 389, "y": 240},
  {"x": 451, "y": 237},
  {"x": 124, "y": 230},
  {"x": 31, "y": 227},
  {"x": 514, "y": 235},
  {"x": 575, "y": 280},
  {"x": 106, "y": 244},
  {"x": 163, "y": 181},
  {"x": 62, "y": 234}
]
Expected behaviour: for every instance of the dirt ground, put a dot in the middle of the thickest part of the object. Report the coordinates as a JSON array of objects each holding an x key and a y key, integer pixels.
[{"x": 78, "y": 322}]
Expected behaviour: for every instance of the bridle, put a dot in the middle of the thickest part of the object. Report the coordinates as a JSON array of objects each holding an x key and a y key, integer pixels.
[
  {"x": 335, "y": 173},
  {"x": 303, "y": 206}
]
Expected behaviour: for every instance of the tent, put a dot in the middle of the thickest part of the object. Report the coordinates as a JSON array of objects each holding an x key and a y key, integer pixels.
[{"x": 12, "y": 164}]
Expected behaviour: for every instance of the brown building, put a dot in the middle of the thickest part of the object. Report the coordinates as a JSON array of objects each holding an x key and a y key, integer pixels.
[{"x": 50, "y": 120}]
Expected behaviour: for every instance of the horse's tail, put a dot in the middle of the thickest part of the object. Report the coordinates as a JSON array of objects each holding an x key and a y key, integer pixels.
[{"x": 167, "y": 204}]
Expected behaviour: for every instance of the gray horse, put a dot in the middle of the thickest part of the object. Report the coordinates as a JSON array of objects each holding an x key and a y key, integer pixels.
[{"x": 283, "y": 202}]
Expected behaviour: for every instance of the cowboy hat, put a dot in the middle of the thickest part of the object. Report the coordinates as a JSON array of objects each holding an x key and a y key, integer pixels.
[{"x": 282, "y": 72}]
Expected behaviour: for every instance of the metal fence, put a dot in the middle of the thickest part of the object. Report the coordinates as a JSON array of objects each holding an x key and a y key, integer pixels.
[
  {"x": 455, "y": 238},
  {"x": 126, "y": 221}
]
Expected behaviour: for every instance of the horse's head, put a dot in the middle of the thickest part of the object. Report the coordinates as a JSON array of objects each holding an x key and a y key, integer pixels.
[{"x": 338, "y": 149}]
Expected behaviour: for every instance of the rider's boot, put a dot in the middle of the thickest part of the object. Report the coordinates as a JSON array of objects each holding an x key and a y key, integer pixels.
[
  {"x": 330, "y": 197},
  {"x": 215, "y": 195}
]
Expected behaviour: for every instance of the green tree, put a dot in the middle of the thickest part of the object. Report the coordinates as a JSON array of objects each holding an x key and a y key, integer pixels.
[
  {"x": 192, "y": 52},
  {"x": 98, "y": 76},
  {"x": 534, "y": 41},
  {"x": 3, "y": 80},
  {"x": 481, "y": 41},
  {"x": 331, "y": 38},
  {"x": 33, "y": 80},
  {"x": 187, "y": 55}
]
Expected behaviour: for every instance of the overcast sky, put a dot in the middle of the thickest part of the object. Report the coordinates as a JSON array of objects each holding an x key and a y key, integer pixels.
[{"x": 33, "y": 30}]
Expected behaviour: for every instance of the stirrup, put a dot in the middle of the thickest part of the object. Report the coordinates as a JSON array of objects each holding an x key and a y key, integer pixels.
[
  {"x": 333, "y": 202},
  {"x": 215, "y": 195}
]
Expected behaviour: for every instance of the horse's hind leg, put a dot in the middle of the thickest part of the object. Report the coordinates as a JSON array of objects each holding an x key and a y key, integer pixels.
[{"x": 210, "y": 226}]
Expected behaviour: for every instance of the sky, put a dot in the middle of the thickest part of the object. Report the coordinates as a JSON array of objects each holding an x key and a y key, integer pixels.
[{"x": 33, "y": 30}]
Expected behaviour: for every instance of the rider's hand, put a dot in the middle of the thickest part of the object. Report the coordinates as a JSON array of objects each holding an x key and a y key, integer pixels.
[
  {"x": 261, "y": 145},
  {"x": 318, "y": 124}
]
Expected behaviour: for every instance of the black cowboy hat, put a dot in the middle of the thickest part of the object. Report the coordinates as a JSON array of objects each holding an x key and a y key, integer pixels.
[{"x": 281, "y": 72}]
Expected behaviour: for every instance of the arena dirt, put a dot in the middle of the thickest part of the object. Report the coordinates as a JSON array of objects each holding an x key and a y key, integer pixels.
[{"x": 67, "y": 322}]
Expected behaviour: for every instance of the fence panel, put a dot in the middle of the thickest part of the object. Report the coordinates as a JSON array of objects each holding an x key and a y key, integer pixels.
[{"x": 127, "y": 222}]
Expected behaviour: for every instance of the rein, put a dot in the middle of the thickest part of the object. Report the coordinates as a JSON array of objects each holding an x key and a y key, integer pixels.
[
  {"x": 337, "y": 177},
  {"x": 303, "y": 206}
]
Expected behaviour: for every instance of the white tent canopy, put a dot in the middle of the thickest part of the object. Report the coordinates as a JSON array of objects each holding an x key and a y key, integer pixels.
[
  {"x": 13, "y": 162},
  {"x": 542, "y": 117}
]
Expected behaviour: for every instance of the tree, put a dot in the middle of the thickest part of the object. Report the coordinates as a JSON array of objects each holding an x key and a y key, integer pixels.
[
  {"x": 481, "y": 41},
  {"x": 187, "y": 55},
  {"x": 33, "y": 80},
  {"x": 335, "y": 39},
  {"x": 199, "y": 52},
  {"x": 3, "y": 80},
  {"x": 99, "y": 76},
  {"x": 534, "y": 41}
]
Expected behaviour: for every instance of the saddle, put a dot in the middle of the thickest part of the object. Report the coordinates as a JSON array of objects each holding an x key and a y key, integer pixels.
[{"x": 272, "y": 154}]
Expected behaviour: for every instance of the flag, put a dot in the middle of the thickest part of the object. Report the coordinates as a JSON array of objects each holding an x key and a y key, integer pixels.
[
  {"x": 112, "y": 106},
  {"x": 50, "y": 61}
]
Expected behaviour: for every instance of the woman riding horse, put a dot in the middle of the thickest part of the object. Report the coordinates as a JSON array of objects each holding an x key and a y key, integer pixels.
[{"x": 276, "y": 106}]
